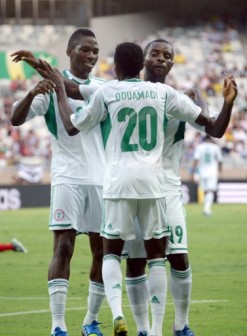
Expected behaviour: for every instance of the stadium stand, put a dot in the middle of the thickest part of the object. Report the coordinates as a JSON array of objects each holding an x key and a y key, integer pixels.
[{"x": 205, "y": 53}]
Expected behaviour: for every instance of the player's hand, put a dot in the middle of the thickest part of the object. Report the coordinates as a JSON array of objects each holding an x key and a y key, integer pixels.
[
  {"x": 26, "y": 56},
  {"x": 49, "y": 72},
  {"x": 43, "y": 87},
  {"x": 230, "y": 89},
  {"x": 19, "y": 54}
]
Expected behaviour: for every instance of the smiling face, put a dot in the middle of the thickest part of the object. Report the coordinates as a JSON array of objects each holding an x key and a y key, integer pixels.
[
  {"x": 83, "y": 56},
  {"x": 158, "y": 61}
]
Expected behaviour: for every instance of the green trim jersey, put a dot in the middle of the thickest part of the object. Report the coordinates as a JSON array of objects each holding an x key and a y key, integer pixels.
[
  {"x": 78, "y": 159},
  {"x": 173, "y": 151},
  {"x": 133, "y": 116}
]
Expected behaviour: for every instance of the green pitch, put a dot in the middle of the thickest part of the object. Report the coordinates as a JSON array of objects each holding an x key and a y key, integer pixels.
[{"x": 218, "y": 252}]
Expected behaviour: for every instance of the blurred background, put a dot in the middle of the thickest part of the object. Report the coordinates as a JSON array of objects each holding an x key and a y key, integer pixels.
[{"x": 209, "y": 39}]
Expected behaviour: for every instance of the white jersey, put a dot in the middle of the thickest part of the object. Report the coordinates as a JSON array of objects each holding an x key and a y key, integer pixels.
[
  {"x": 173, "y": 151},
  {"x": 209, "y": 155},
  {"x": 78, "y": 159},
  {"x": 135, "y": 115}
]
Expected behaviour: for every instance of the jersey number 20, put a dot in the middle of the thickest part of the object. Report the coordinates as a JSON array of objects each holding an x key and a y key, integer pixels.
[{"x": 145, "y": 120}]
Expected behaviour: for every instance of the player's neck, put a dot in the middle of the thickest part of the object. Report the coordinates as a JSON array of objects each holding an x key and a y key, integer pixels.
[
  {"x": 154, "y": 79},
  {"x": 79, "y": 74},
  {"x": 123, "y": 77}
]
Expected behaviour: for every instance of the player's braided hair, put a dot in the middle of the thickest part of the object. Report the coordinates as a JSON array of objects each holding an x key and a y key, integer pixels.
[
  {"x": 76, "y": 36},
  {"x": 129, "y": 58}
]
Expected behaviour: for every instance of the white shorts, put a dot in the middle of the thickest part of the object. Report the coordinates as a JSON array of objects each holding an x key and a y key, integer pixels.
[
  {"x": 176, "y": 219},
  {"x": 77, "y": 207},
  {"x": 209, "y": 183},
  {"x": 119, "y": 216},
  {"x": 134, "y": 248}
]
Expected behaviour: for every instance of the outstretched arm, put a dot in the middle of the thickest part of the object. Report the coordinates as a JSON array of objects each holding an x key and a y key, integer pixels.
[
  {"x": 216, "y": 127},
  {"x": 26, "y": 56},
  {"x": 72, "y": 88},
  {"x": 20, "y": 111}
]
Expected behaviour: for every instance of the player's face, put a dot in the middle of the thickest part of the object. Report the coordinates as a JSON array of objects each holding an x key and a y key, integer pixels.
[
  {"x": 84, "y": 56},
  {"x": 159, "y": 59}
]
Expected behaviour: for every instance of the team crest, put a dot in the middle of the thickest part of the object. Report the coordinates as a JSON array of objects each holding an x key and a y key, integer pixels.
[{"x": 59, "y": 215}]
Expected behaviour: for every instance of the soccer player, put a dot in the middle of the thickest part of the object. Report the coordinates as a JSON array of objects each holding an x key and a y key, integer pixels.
[
  {"x": 14, "y": 245},
  {"x": 207, "y": 163},
  {"x": 158, "y": 62},
  {"x": 76, "y": 183},
  {"x": 133, "y": 112}
]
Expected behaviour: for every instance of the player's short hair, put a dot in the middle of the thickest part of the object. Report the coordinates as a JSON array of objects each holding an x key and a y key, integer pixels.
[
  {"x": 145, "y": 51},
  {"x": 76, "y": 36},
  {"x": 129, "y": 58}
]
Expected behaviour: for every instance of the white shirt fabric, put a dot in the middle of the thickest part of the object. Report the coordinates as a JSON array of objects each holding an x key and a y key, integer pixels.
[
  {"x": 173, "y": 151},
  {"x": 134, "y": 115}
]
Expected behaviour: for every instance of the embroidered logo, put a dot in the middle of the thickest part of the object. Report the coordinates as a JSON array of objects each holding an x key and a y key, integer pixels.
[
  {"x": 59, "y": 215},
  {"x": 109, "y": 226},
  {"x": 117, "y": 286},
  {"x": 155, "y": 299}
]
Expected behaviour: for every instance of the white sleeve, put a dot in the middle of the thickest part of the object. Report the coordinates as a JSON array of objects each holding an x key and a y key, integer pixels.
[
  {"x": 180, "y": 106},
  {"x": 212, "y": 114},
  {"x": 198, "y": 127},
  {"x": 39, "y": 106},
  {"x": 90, "y": 114},
  {"x": 87, "y": 89}
]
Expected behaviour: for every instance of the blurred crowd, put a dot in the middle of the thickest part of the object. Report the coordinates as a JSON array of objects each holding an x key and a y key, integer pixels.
[
  {"x": 22, "y": 149},
  {"x": 204, "y": 54}
]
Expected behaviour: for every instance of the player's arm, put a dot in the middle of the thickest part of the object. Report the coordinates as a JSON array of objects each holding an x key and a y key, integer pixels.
[
  {"x": 80, "y": 91},
  {"x": 26, "y": 56},
  {"x": 216, "y": 127},
  {"x": 72, "y": 88},
  {"x": 64, "y": 109},
  {"x": 21, "y": 109}
]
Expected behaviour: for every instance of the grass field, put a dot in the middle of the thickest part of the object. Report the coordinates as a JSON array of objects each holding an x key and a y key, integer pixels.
[{"x": 218, "y": 255}]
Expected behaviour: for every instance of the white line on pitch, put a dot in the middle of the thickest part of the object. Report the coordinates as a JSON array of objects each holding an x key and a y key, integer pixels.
[
  {"x": 103, "y": 307},
  {"x": 33, "y": 298}
]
